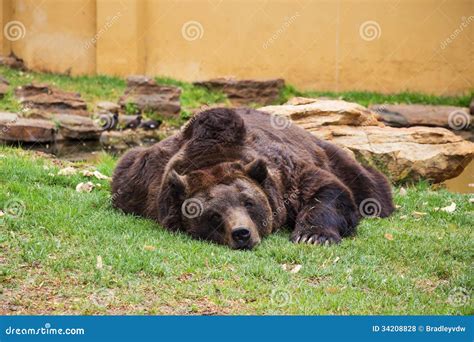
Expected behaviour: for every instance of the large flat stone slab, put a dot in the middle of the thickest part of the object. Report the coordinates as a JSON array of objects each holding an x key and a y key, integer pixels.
[
  {"x": 77, "y": 127},
  {"x": 245, "y": 92},
  {"x": 407, "y": 115},
  {"x": 147, "y": 95},
  {"x": 45, "y": 99},
  {"x": 15, "y": 128},
  {"x": 310, "y": 113}
]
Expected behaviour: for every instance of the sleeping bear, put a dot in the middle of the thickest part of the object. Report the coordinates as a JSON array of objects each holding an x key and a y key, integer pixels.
[{"x": 233, "y": 176}]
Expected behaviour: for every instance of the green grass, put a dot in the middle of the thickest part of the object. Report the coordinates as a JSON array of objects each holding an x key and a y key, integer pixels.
[
  {"x": 49, "y": 253},
  {"x": 368, "y": 98},
  {"x": 108, "y": 88},
  {"x": 104, "y": 88}
]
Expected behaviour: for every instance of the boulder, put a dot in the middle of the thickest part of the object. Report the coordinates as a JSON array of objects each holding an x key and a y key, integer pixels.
[
  {"x": 404, "y": 154},
  {"x": 107, "y": 106},
  {"x": 45, "y": 99},
  {"x": 124, "y": 139},
  {"x": 77, "y": 127},
  {"x": 12, "y": 62},
  {"x": 3, "y": 86},
  {"x": 147, "y": 95},
  {"x": 311, "y": 113},
  {"x": 15, "y": 128},
  {"x": 245, "y": 92},
  {"x": 407, "y": 115}
]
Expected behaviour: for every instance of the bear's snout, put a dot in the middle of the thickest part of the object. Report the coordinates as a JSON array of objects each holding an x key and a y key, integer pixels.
[{"x": 241, "y": 237}]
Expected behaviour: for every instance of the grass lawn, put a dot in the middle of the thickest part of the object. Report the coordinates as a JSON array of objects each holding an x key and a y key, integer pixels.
[
  {"x": 67, "y": 252},
  {"x": 107, "y": 88}
]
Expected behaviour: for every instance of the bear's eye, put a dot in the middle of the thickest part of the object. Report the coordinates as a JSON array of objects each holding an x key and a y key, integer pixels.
[
  {"x": 248, "y": 204},
  {"x": 215, "y": 218}
]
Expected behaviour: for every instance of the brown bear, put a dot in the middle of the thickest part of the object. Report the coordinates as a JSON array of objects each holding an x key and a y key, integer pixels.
[{"x": 233, "y": 176}]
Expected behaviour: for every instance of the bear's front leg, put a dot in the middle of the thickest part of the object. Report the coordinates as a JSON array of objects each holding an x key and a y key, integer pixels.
[{"x": 327, "y": 212}]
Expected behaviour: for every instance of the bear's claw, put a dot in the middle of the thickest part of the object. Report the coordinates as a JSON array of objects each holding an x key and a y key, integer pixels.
[{"x": 314, "y": 239}]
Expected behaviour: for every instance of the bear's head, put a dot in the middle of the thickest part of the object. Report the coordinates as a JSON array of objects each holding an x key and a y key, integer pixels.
[{"x": 225, "y": 203}]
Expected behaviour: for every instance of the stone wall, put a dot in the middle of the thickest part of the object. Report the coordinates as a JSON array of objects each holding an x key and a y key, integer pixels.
[{"x": 384, "y": 46}]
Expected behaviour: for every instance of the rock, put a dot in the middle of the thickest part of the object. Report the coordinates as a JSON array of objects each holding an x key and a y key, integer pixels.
[
  {"x": 3, "y": 86},
  {"x": 407, "y": 115},
  {"x": 107, "y": 106},
  {"x": 147, "y": 95},
  {"x": 77, "y": 127},
  {"x": 404, "y": 154},
  {"x": 245, "y": 92},
  {"x": 122, "y": 140},
  {"x": 12, "y": 62},
  {"x": 48, "y": 100},
  {"x": 466, "y": 135},
  {"x": 311, "y": 113},
  {"x": 471, "y": 107},
  {"x": 15, "y": 128}
]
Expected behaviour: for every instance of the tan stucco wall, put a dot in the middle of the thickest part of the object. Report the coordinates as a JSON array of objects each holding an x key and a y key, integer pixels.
[{"x": 312, "y": 44}]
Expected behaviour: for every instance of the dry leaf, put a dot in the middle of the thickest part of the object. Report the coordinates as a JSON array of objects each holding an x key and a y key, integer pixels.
[
  {"x": 397, "y": 206},
  {"x": 471, "y": 200},
  {"x": 67, "y": 171},
  {"x": 388, "y": 236},
  {"x": 149, "y": 248},
  {"x": 450, "y": 208},
  {"x": 87, "y": 173},
  {"x": 96, "y": 174},
  {"x": 84, "y": 187},
  {"x": 336, "y": 260},
  {"x": 403, "y": 191},
  {"x": 99, "y": 265},
  {"x": 418, "y": 214},
  {"x": 291, "y": 268},
  {"x": 332, "y": 290},
  {"x": 403, "y": 217},
  {"x": 99, "y": 175}
]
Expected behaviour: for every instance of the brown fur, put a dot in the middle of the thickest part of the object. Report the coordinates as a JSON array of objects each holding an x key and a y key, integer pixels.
[{"x": 241, "y": 171}]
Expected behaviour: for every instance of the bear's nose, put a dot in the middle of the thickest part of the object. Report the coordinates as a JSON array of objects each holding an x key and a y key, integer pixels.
[{"x": 241, "y": 235}]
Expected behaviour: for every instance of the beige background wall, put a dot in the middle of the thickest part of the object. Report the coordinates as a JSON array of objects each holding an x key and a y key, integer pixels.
[{"x": 317, "y": 45}]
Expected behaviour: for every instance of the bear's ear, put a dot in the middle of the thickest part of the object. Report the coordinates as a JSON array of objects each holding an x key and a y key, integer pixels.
[
  {"x": 177, "y": 184},
  {"x": 257, "y": 170}
]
